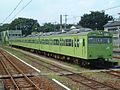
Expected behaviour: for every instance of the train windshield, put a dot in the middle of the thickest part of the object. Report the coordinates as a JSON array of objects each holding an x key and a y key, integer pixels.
[{"x": 99, "y": 40}]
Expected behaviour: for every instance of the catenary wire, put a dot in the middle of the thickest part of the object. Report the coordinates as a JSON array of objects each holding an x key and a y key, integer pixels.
[
  {"x": 13, "y": 11},
  {"x": 21, "y": 9}
]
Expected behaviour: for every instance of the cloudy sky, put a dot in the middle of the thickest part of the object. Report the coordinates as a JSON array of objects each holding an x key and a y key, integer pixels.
[{"x": 49, "y": 10}]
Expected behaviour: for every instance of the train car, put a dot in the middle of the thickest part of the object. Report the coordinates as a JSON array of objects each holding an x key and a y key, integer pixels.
[{"x": 87, "y": 48}]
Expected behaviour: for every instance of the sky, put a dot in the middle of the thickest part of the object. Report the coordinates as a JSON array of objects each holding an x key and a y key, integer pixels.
[{"x": 49, "y": 10}]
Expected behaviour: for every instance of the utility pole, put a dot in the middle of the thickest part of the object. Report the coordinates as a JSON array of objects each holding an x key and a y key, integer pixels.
[
  {"x": 119, "y": 17},
  {"x": 65, "y": 21},
  {"x": 54, "y": 26},
  {"x": 118, "y": 32},
  {"x": 60, "y": 22}
]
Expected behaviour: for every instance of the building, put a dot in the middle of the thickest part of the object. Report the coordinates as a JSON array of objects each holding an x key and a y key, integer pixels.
[
  {"x": 114, "y": 27},
  {"x": 14, "y": 33},
  {"x": 5, "y": 36}
]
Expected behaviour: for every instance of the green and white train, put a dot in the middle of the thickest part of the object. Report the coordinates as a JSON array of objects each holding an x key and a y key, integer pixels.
[{"x": 92, "y": 48}]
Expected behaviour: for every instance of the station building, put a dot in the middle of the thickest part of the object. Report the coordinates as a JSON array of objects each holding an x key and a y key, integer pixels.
[{"x": 7, "y": 35}]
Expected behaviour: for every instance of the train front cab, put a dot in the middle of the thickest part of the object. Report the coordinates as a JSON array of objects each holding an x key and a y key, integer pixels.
[{"x": 100, "y": 48}]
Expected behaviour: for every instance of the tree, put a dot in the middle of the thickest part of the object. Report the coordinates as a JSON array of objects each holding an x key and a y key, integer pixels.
[
  {"x": 48, "y": 27},
  {"x": 95, "y": 20},
  {"x": 26, "y": 25},
  {"x": 4, "y": 27}
]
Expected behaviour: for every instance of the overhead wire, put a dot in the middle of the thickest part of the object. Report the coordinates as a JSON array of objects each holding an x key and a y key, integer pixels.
[
  {"x": 12, "y": 11},
  {"x": 111, "y": 8},
  {"x": 21, "y": 9}
]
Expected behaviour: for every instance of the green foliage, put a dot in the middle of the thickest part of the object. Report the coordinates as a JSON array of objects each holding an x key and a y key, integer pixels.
[
  {"x": 26, "y": 25},
  {"x": 47, "y": 27},
  {"x": 30, "y": 25},
  {"x": 4, "y": 27},
  {"x": 95, "y": 20}
]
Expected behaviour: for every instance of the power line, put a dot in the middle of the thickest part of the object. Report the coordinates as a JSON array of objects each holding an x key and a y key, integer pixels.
[
  {"x": 21, "y": 9},
  {"x": 12, "y": 11},
  {"x": 111, "y": 8}
]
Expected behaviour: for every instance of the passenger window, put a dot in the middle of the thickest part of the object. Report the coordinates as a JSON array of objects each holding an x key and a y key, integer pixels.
[
  {"x": 83, "y": 42},
  {"x": 75, "y": 42}
]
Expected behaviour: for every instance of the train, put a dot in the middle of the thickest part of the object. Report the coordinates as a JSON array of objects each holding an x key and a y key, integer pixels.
[{"x": 88, "y": 49}]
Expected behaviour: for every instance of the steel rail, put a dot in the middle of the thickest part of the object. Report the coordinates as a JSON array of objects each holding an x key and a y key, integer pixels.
[
  {"x": 116, "y": 51},
  {"x": 19, "y": 70},
  {"x": 82, "y": 83},
  {"x": 72, "y": 73},
  {"x": 98, "y": 82},
  {"x": 113, "y": 72},
  {"x": 116, "y": 57},
  {"x": 11, "y": 77}
]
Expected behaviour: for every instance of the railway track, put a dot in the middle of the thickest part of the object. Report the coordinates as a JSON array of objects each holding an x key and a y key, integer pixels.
[
  {"x": 117, "y": 57},
  {"x": 113, "y": 72},
  {"x": 17, "y": 80},
  {"x": 116, "y": 51},
  {"x": 118, "y": 54},
  {"x": 77, "y": 78}
]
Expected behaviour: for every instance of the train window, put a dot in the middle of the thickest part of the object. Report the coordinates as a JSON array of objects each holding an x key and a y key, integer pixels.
[
  {"x": 68, "y": 42},
  {"x": 46, "y": 41},
  {"x": 83, "y": 42},
  {"x": 50, "y": 42},
  {"x": 72, "y": 43},
  {"x": 55, "y": 42},
  {"x": 62, "y": 42},
  {"x": 92, "y": 40},
  {"x": 99, "y": 40},
  {"x": 40, "y": 41},
  {"x": 33, "y": 41},
  {"x": 107, "y": 40},
  {"x": 77, "y": 42},
  {"x": 58, "y": 42}
]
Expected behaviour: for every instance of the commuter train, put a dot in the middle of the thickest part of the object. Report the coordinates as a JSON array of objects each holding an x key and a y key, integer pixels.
[{"x": 92, "y": 48}]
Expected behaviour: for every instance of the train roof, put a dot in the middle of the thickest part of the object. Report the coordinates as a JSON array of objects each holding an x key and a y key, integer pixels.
[{"x": 69, "y": 34}]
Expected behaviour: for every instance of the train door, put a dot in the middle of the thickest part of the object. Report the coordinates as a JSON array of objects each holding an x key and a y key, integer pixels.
[
  {"x": 83, "y": 48},
  {"x": 77, "y": 47}
]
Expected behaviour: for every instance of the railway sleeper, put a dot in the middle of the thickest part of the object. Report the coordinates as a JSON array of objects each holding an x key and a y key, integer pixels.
[{"x": 17, "y": 76}]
